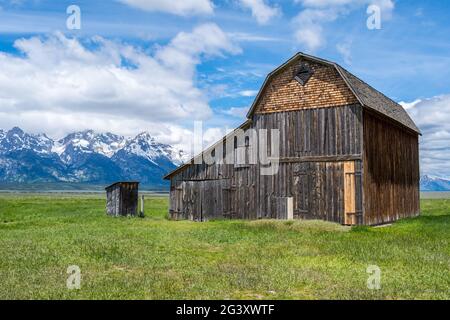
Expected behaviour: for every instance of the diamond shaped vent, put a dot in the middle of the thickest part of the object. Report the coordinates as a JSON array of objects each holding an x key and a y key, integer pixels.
[{"x": 304, "y": 73}]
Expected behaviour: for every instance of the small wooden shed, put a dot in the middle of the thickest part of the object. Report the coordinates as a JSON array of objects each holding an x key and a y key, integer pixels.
[{"x": 122, "y": 199}]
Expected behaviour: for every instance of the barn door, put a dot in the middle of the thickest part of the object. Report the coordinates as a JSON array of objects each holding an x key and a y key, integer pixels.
[
  {"x": 192, "y": 200},
  {"x": 301, "y": 191},
  {"x": 352, "y": 184},
  {"x": 228, "y": 194},
  {"x": 212, "y": 199}
]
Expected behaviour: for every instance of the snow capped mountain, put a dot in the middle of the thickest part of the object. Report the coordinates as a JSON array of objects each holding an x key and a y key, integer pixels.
[
  {"x": 106, "y": 144},
  {"x": 85, "y": 156},
  {"x": 145, "y": 146},
  {"x": 15, "y": 140},
  {"x": 432, "y": 183}
]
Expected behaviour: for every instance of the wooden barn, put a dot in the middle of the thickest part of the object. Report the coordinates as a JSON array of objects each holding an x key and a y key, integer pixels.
[{"x": 345, "y": 153}]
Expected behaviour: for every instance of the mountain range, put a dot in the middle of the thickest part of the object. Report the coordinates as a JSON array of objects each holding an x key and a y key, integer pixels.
[
  {"x": 430, "y": 183},
  {"x": 85, "y": 157},
  {"x": 88, "y": 157}
]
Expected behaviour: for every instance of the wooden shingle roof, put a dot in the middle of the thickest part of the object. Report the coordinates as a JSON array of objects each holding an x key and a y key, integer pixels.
[{"x": 377, "y": 101}]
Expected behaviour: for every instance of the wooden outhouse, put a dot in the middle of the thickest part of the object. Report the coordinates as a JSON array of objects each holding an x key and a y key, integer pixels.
[
  {"x": 122, "y": 199},
  {"x": 345, "y": 153}
]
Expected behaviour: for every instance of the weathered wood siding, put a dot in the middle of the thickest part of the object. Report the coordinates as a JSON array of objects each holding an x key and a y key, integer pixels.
[
  {"x": 316, "y": 132},
  {"x": 314, "y": 145},
  {"x": 112, "y": 201},
  {"x": 122, "y": 199},
  {"x": 325, "y": 88},
  {"x": 317, "y": 189},
  {"x": 391, "y": 171}
]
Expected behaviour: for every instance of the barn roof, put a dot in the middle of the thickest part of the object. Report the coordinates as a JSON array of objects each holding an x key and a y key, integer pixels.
[
  {"x": 366, "y": 95},
  {"x": 377, "y": 101}
]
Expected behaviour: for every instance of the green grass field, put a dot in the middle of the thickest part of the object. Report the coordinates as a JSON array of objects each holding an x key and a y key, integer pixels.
[{"x": 154, "y": 258}]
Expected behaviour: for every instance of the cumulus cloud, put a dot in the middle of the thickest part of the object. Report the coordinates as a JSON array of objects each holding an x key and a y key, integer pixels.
[
  {"x": 261, "y": 11},
  {"x": 309, "y": 24},
  {"x": 185, "y": 50},
  {"x": 433, "y": 118},
  {"x": 315, "y": 14},
  {"x": 182, "y": 8},
  {"x": 58, "y": 84}
]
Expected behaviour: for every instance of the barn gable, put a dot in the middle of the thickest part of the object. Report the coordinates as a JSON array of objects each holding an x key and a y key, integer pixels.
[
  {"x": 324, "y": 88},
  {"x": 329, "y": 86}
]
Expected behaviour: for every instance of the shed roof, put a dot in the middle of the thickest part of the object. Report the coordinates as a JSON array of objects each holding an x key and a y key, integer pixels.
[{"x": 121, "y": 182}]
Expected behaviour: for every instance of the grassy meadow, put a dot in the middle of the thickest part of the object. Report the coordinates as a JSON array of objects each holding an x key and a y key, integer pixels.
[{"x": 154, "y": 258}]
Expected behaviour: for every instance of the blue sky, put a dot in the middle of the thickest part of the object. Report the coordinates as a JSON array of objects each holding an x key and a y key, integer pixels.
[{"x": 118, "y": 72}]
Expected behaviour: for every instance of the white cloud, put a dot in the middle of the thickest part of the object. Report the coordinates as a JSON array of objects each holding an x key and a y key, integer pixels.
[
  {"x": 410, "y": 105},
  {"x": 315, "y": 14},
  {"x": 248, "y": 37},
  {"x": 182, "y": 8},
  {"x": 186, "y": 48},
  {"x": 237, "y": 112},
  {"x": 433, "y": 118},
  {"x": 261, "y": 11},
  {"x": 309, "y": 27},
  {"x": 58, "y": 84},
  {"x": 248, "y": 93},
  {"x": 385, "y": 5},
  {"x": 344, "y": 48}
]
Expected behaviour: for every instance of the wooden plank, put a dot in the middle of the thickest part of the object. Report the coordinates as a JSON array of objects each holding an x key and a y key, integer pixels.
[{"x": 349, "y": 193}]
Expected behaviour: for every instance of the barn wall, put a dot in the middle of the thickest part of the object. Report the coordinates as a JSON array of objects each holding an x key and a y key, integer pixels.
[
  {"x": 201, "y": 195},
  {"x": 317, "y": 189},
  {"x": 316, "y": 132},
  {"x": 391, "y": 171},
  {"x": 314, "y": 143},
  {"x": 324, "y": 89}
]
